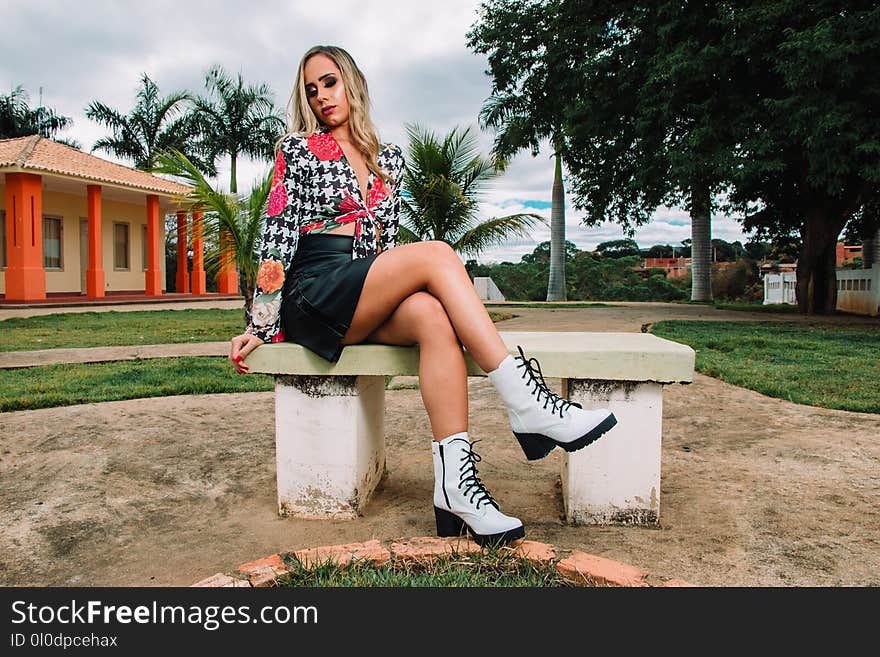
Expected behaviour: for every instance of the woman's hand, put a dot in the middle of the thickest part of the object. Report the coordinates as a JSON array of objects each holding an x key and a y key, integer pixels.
[{"x": 242, "y": 345}]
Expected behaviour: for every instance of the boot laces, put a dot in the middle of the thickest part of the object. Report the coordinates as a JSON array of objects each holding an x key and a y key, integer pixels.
[
  {"x": 533, "y": 370},
  {"x": 469, "y": 483}
]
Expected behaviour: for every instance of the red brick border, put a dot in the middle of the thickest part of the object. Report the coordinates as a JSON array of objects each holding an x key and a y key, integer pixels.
[{"x": 578, "y": 567}]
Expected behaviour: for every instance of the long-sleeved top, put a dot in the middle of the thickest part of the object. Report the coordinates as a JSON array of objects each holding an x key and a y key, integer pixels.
[{"x": 315, "y": 189}]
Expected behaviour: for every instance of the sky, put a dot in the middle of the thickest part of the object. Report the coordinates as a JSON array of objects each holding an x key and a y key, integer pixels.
[{"x": 413, "y": 54}]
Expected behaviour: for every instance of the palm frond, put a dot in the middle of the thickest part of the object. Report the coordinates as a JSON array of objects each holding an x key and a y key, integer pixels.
[{"x": 494, "y": 232}]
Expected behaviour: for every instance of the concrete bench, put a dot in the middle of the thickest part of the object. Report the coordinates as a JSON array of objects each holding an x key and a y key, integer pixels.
[{"x": 329, "y": 419}]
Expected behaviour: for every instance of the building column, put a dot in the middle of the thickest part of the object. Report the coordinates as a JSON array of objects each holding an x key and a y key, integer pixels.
[
  {"x": 153, "y": 275},
  {"x": 182, "y": 282},
  {"x": 25, "y": 275},
  {"x": 227, "y": 277},
  {"x": 198, "y": 272},
  {"x": 95, "y": 270}
]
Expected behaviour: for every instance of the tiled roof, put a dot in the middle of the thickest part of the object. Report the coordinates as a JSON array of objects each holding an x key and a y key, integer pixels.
[{"x": 38, "y": 154}]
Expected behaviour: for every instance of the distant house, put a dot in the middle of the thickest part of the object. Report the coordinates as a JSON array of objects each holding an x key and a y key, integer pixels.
[
  {"x": 847, "y": 254},
  {"x": 75, "y": 225},
  {"x": 675, "y": 267}
]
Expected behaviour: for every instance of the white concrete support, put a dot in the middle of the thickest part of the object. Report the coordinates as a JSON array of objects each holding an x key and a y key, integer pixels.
[
  {"x": 487, "y": 289},
  {"x": 329, "y": 443},
  {"x": 616, "y": 480}
]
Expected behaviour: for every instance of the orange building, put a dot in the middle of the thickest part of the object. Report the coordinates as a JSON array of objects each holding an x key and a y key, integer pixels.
[
  {"x": 675, "y": 267},
  {"x": 73, "y": 225},
  {"x": 846, "y": 254}
]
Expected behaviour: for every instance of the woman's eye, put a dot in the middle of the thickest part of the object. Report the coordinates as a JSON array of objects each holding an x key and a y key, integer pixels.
[{"x": 330, "y": 82}]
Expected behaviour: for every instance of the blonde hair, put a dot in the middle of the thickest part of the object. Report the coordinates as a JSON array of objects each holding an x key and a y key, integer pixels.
[{"x": 301, "y": 120}]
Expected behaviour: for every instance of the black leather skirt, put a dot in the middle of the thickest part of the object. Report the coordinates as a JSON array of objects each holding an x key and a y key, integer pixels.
[{"x": 321, "y": 291}]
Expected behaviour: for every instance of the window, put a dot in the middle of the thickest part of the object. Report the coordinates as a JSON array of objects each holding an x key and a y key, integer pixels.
[
  {"x": 2, "y": 239},
  {"x": 120, "y": 246},
  {"x": 52, "y": 241}
]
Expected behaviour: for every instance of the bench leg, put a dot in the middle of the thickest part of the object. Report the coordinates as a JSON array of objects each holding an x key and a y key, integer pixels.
[
  {"x": 329, "y": 443},
  {"x": 617, "y": 479}
]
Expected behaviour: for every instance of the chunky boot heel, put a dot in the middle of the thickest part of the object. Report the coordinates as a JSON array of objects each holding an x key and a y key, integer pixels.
[
  {"x": 535, "y": 446},
  {"x": 461, "y": 501},
  {"x": 539, "y": 418},
  {"x": 448, "y": 524}
]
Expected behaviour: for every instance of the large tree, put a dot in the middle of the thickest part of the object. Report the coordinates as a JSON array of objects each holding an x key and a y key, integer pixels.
[
  {"x": 238, "y": 119},
  {"x": 444, "y": 180},
  {"x": 769, "y": 103},
  {"x": 154, "y": 124},
  {"x": 811, "y": 158},
  {"x": 522, "y": 114}
]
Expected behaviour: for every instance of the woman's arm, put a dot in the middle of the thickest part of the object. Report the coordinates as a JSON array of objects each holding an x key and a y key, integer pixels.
[{"x": 279, "y": 243}]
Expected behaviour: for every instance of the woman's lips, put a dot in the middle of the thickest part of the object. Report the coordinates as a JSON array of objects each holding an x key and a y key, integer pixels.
[{"x": 327, "y": 110}]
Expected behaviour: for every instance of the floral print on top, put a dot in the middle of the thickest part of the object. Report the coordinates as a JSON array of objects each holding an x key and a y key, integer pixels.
[{"x": 315, "y": 189}]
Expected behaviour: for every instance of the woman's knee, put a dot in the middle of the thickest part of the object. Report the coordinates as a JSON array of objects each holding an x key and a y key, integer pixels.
[
  {"x": 441, "y": 251},
  {"x": 428, "y": 317}
]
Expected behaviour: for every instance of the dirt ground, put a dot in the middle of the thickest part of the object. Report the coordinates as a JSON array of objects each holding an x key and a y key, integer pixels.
[{"x": 167, "y": 491}]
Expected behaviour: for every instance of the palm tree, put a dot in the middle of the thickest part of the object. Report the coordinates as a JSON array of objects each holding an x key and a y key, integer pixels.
[
  {"x": 17, "y": 119},
  {"x": 238, "y": 119},
  {"x": 155, "y": 124},
  {"x": 444, "y": 181},
  {"x": 517, "y": 128},
  {"x": 238, "y": 218}
]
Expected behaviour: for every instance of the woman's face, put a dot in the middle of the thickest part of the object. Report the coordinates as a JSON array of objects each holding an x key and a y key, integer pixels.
[{"x": 325, "y": 90}]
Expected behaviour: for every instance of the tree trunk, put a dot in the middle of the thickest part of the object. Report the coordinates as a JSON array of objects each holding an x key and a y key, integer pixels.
[
  {"x": 556, "y": 284},
  {"x": 817, "y": 263},
  {"x": 247, "y": 291},
  {"x": 233, "y": 183},
  {"x": 871, "y": 250},
  {"x": 701, "y": 244},
  {"x": 868, "y": 259}
]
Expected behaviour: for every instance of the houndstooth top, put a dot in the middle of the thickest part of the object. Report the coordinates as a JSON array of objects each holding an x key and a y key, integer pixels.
[{"x": 315, "y": 189}]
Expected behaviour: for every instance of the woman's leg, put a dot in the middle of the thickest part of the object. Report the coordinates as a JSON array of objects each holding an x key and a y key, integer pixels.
[
  {"x": 433, "y": 267},
  {"x": 420, "y": 319},
  {"x": 460, "y": 497}
]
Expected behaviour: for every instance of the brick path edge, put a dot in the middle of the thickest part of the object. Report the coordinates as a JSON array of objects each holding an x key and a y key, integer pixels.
[{"x": 579, "y": 568}]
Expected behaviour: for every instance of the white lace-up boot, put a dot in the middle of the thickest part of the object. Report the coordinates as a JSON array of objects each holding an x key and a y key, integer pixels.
[
  {"x": 460, "y": 498},
  {"x": 541, "y": 419}
]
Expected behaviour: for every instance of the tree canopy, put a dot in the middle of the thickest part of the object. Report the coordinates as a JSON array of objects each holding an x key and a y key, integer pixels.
[
  {"x": 445, "y": 178},
  {"x": 19, "y": 119},
  {"x": 154, "y": 124}
]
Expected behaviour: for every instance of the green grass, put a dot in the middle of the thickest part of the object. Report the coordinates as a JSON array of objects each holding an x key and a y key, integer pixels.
[
  {"x": 494, "y": 567},
  {"x": 82, "y": 383},
  {"x": 137, "y": 327},
  {"x": 814, "y": 364},
  {"x": 118, "y": 328}
]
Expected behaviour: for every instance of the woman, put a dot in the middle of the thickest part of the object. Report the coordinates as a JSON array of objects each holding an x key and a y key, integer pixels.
[{"x": 330, "y": 276}]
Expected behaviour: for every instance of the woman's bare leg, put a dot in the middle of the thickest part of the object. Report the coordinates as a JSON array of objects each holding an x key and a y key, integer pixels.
[
  {"x": 420, "y": 319},
  {"x": 433, "y": 267}
]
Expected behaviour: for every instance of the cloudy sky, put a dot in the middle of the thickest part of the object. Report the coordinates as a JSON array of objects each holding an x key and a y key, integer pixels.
[{"x": 413, "y": 55}]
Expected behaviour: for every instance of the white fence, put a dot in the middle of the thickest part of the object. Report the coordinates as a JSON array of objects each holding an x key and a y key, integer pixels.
[
  {"x": 858, "y": 290},
  {"x": 780, "y": 288}
]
